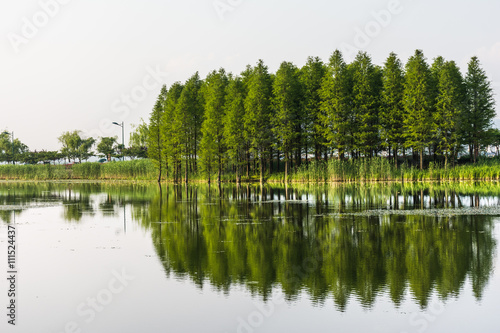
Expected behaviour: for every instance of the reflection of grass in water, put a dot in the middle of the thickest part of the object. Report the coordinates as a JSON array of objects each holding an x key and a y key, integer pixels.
[
  {"x": 28, "y": 205},
  {"x": 444, "y": 212}
]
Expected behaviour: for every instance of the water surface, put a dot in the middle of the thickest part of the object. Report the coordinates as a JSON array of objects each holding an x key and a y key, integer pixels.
[{"x": 354, "y": 258}]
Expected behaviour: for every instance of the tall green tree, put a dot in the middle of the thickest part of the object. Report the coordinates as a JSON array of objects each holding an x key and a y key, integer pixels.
[
  {"x": 418, "y": 103},
  {"x": 234, "y": 130},
  {"x": 336, "y": 113},
  {"x": 258, "y": 111},
  {"x": 172, "y": 131},
  {"x": 188, "y": 118},
  {"x": 449, "y": 107},
  {"x": 435, "y": 70},
  {"x": 391, "y": 108},
  {"x": 212, "y": 147},
  {"x": 479, "y": 108},
  {"x": 365, "y": 103},
  {"x": 312, "y": 75},
  {"x": 288, "y": 110},
  {"x": 155, "y": 128}
]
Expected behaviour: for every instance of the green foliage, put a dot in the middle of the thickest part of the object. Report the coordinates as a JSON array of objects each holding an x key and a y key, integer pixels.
[
  {"x": 312, "y": 76},
  {"x": 336, "y": 115},
  {"x": 380, "y": 169},
  {"x": 142, "y": 169},
  {"x": 172, "y": 131},
  {"x": 11, "y": 149},
  {"x": 75, "y": 147},
  {"x": 366, "y": 103},
  {"x": 288, "y": 110},
  {"x": 449, "y": 107},
  {"x": 418, "y": 104},
  {"x": 35, "y": 157},
  {"x": 212, "y": 147},
  {"x": 258, "y": 111},
  {"x": 272, "y": 122},
  {"x": 138, "y": 141},
  {"x": 107, "y": 147},
  {"x": 392, "y": 110},
  {"x": 479, "y": 107},
  {"x": 233, "y": 126},
  {"x": 34, "y": 172},
  {"x": 155, "y": 138}
]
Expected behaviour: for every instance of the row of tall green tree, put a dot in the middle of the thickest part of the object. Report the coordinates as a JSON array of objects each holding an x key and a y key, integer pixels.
[{"x": 251, "y": 122}]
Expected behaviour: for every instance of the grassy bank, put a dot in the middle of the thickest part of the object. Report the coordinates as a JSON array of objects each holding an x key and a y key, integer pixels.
[
  {"x": 360, "y": 170},
  {"x": 127, "y": 170},
  {"x": 380, "y": 169}
]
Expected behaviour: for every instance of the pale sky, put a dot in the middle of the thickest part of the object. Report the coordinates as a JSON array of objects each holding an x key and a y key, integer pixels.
[{"x": 81, "y": 64}]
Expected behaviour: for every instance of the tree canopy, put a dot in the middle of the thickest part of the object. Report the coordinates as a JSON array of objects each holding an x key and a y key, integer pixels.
[{"x": 273, "y": 121}]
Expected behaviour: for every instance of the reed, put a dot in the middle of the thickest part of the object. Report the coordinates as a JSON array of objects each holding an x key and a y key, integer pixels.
[
  {"x": 142, "y": 169},
  {"x": 381, "y": 169},
  {"x": 357, "y": 170},
  {"x": 34, "y": 172},
  {"x": 128, "y": 170}
]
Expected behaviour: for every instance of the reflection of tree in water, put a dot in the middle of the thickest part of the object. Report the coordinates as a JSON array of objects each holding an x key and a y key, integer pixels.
[
  {"x": 252, "y": 236},
  {"x": 247, "y": 237},
  {"x": 78, "y": 199}
]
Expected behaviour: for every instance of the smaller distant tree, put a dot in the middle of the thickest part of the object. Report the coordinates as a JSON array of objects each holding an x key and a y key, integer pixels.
[
  {"x": 107, "y": 147},
  {"x": 139, "y": 135},
  {"x": 492, "y": 138},
  {"x": 84, "y": 151},
  {"x": 11, "y": 151},
  {"x": 49, "y": 156},
  {"x": 75, "y": 147},
  {"x": 29, "y": 157},
  {"x": 70, "y": 142}
]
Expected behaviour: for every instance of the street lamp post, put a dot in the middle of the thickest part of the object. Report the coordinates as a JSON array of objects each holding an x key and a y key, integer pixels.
[
  {"x": 123, "y": 137},
  {"x": 13, "y": 159}
]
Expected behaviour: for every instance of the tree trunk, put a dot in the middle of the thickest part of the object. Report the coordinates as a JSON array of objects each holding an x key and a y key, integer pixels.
[
  {"x": 271, "y": 168},
  {"x": 159, "y": 175},
  {"x": 421, "y": 159},
  {"x": 286, "y": 168},
  {"x": 237, "y": 173},
  {"x": 248, "y": 165},
  {"x": 219, "y": 171},
  {"x": 261, "y": 169},
  {"x": 396, "y": 156}
]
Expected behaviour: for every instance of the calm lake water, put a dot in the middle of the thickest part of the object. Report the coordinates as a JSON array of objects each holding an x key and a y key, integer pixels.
[{"x": 356, "y": 258}]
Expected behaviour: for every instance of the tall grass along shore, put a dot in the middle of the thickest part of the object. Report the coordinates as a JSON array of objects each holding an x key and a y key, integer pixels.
[
  {"x": 142, "y": 169},
  {"x": 357, "y": 170}
]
